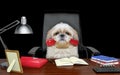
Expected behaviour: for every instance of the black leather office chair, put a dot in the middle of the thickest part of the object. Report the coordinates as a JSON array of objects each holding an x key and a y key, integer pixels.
[{"x": 51, "y": 19}]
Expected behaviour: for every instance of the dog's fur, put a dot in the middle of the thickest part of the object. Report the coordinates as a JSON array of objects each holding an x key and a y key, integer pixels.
[{"x": 62, "y": 33}]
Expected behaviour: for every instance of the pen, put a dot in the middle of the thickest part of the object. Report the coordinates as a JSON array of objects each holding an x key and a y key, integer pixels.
[{"x": 50, "y": 60}]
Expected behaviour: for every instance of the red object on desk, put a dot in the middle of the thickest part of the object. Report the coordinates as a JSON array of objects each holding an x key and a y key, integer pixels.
[{"x": 33, "y": 62}]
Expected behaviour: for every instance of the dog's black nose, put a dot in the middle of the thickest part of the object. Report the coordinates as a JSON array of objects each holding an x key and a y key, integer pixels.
[{"x": 62, "y": 35}]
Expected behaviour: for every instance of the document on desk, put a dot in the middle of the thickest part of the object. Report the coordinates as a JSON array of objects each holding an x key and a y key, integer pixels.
[{"x": 70, "y": 61}]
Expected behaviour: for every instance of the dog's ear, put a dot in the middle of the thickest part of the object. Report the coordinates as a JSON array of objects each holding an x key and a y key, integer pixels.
[
  {"x": 75, "y": 40},
  {"x": 75, "y": 35},
  {"x": 49, "y": 40},
  {"x": 49, "y": 34}
]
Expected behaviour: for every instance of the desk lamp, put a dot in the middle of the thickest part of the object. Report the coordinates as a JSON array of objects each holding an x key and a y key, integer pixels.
[{"x": 22, "y": 28}]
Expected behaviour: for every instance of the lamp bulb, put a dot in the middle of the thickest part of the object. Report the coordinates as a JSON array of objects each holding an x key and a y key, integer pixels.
[{"x": 23, "y": 20}]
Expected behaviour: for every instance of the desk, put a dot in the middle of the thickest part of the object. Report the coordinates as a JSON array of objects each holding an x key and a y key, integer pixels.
[{"x": 51, "y": 69}]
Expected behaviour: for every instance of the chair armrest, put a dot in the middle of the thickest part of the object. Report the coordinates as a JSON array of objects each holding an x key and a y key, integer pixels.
[
  {"x": 37, "y": 52},
  {"x": 93, "y": 50},
  {"x": 33, "y": 50},
  {"x": 40, "y": 53}
]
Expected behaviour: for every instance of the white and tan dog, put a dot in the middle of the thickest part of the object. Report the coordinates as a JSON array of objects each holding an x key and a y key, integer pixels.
[{"x": 62, "y": 33}]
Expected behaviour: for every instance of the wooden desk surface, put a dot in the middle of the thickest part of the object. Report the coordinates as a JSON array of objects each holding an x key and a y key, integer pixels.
[{"x": 52, "y": 69}]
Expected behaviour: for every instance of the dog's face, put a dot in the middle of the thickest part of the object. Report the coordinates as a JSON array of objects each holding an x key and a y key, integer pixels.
[{"x": 62, "y": 33}]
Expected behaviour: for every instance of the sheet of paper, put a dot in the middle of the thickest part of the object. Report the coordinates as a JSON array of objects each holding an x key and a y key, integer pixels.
[
  {"x": 63, "y": 62},
  {"x": 76, "y": 60},
  {"x": 70, "y": 61}
]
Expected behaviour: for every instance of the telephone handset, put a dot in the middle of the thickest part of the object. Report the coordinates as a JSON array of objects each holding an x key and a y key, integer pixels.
[{"x": 51, "y": 42}]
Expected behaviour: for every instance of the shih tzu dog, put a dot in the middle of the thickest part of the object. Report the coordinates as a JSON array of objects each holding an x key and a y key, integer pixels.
[{"x": 62, "y": 41}]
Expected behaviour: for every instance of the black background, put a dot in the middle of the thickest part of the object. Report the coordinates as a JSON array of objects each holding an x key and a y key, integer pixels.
[{"x": 99, "y": 22}]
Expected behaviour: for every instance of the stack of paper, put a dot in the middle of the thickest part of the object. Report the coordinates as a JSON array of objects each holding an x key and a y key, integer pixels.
[{"x": 102, "y": 59}]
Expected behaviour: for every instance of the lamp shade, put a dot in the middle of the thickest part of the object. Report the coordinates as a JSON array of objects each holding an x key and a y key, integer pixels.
[{"x": 23, "y": 28}]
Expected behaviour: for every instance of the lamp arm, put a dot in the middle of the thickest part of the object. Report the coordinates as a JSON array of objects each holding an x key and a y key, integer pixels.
[
  {"x": 9, "y": 26},
  {"x": 4, "y": 45}
]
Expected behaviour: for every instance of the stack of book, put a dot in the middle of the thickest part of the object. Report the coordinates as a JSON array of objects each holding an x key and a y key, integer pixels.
[{"x": 105, "y": 60}]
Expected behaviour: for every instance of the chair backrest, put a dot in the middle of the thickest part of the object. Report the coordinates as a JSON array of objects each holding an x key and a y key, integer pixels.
[{"x": 51, "y": 19}]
